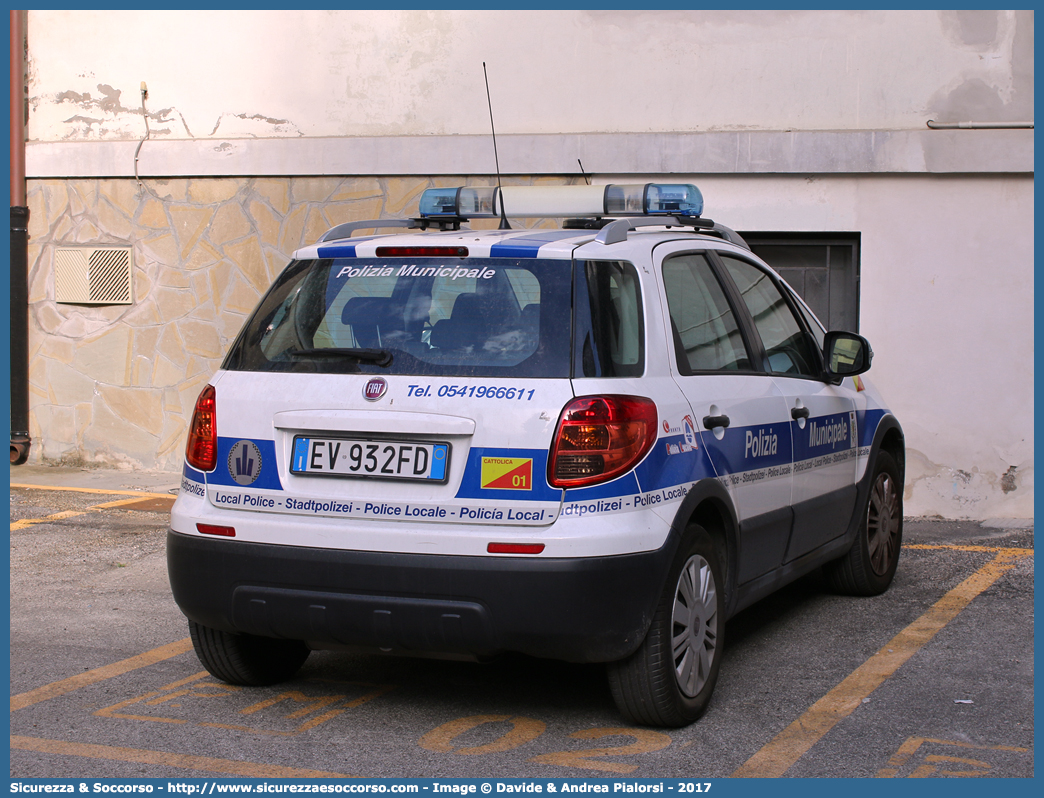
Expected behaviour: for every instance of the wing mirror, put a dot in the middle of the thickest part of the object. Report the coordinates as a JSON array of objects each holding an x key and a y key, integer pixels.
[{"x": 846, "y": 354}]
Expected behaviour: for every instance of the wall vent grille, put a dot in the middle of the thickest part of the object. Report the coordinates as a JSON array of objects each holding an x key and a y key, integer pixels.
[{"x": 93, "y": 275}]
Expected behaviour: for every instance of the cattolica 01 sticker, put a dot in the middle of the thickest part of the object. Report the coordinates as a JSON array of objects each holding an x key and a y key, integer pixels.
[{"x": 507, "y": 473}]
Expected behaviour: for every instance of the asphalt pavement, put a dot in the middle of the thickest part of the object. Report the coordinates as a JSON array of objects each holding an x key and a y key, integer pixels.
[{"x": 933, "y": 678}]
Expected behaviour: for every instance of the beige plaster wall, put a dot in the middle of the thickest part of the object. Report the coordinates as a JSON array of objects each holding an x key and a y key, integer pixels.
[{"x": 241, "y": 74}]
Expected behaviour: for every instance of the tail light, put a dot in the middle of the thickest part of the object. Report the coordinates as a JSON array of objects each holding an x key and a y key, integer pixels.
[
  {"x": 201, "y": 451},
  {"x": 600, "y": 438}
]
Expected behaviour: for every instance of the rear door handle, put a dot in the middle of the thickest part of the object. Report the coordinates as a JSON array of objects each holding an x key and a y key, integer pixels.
[
  {"x": 799, "y": 412},
  {"x": 710, "y": 422}
]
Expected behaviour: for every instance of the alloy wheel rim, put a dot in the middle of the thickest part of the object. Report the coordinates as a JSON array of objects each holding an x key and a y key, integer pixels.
[
  {"x": 694, "y": 635},
  {"x": 882, "y": 524}
]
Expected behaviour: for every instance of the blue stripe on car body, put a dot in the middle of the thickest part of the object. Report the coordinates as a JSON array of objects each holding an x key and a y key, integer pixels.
[
  {"x": 528, "y": 246},
  {"x": 337, "y": 251}
]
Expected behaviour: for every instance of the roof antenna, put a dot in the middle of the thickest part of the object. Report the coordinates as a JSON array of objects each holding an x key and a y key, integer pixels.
[
  {"x": 583, "y": 172},
  {"x": 503, "y": 214}
]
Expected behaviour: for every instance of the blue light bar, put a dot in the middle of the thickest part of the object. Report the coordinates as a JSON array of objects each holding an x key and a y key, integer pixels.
[
  {"x": 439, "y": 202},
  {"x": 673, "y": 198},
  {"x": 465, "y": 202},
  {"x": 676, "y": 199}
]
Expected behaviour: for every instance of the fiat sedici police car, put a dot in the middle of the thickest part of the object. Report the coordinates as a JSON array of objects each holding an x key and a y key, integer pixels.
[{"x": 595, "y": 443}]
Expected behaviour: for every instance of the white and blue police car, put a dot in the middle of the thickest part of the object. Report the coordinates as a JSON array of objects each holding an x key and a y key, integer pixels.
[{"x": 594, "y": 443}]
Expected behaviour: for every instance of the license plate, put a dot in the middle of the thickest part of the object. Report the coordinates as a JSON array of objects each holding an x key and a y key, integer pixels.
[{"x": 370, "y": 458}]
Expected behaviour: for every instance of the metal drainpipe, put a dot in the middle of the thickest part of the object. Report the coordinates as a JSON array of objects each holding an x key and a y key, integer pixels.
[
  {"x": 20, "y": 440},
  {"x": 979, "y": 125}
]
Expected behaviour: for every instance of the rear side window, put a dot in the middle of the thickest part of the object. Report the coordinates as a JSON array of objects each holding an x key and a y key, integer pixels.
[
  {"x": 475, "y": 317},
  {"x": 609, "y": 336}
]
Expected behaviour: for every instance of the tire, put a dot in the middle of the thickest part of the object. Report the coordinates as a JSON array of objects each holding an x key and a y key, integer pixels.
[
  {"x": 868, "y": 567},
  {"x": 246, "y": 659},
  {"x": 668, "y": 681}
]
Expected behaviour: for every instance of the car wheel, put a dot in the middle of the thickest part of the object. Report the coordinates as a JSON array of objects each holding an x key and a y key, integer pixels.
[
  {"x": 868, "y": 567},
  {"x": 668, "y": 681},
  {"x": 246, "y": 659}
]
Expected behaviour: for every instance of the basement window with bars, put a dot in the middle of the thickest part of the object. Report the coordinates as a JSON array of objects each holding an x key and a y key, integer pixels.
[
  {"x": 823, "y": 268},
  {"x": 93, "y": 275}
]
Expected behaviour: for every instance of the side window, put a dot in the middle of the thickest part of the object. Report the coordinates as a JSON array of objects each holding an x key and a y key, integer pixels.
[
  {"x": 706, "y": 335},
  {"x": 608, "y": 320},
  {"x": 788, "y": 348},
  {"x": 813, "y": 324}
]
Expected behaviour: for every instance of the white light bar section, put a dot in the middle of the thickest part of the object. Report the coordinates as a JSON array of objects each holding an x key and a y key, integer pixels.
[{"x": 552, "y": 200}]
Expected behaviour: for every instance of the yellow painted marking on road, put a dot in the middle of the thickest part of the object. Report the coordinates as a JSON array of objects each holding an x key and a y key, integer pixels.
[
  {"x": 87, "y": 678},
  {"x": 316, "y": 710},
  {"x": 307, "y": 725},
  {"x": 162, "y": 505},
  {"x": 955, "y": 547},
  {"x": 376, "y": 692},
  {"x": 312, "y": 704},
  {"x": 167, "y": 501},
  {"x": 163, "y": 695},
  {"x": 523, "y": 730},
  {"x": 979, "y": 768},
  {"x": 139, "y": 493},
  {"x": 25, "y": 523},
  {"x": 780, "y": 753},
  {"x": 913, "y": 744},
  {"x": 223, "y": 691},
  {"x": 646, "y": 741},
  {"x": 111, "y": 505},
  {"x": 142, "y": 756}
]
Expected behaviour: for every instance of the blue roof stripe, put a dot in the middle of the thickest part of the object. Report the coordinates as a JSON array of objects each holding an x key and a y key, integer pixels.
[
  {"x": 335, "y": 249},
  {"x": 338, "y": 251},
  {"x": 527, "y": 246},
  {"x": 514, "y": 251}
]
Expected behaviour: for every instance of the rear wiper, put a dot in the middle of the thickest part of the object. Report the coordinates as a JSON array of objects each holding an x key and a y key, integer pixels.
[{"x": 379, "y": 357}]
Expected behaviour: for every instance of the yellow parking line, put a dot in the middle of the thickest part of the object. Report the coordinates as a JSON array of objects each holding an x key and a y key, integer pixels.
[
  {"x": 140, "y": 493},
  {"x": 961, "y": 547},
  {"x": 127, "y": 502},
  {"x": 55, "y": 689},
  {"x": 776, "y": 757},
  {"x": 25, "y": 523},
  {"x": 113, "y": 753}
]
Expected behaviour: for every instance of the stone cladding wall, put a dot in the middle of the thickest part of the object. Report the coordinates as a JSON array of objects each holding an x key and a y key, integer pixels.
[{"x": 116, "y": 384}]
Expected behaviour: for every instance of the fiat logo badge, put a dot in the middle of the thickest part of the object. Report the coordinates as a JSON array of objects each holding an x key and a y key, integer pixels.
[{"x": 375, "y": 389}]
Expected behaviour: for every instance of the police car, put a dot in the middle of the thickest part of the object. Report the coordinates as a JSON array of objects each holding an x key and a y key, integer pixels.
[{"x": 594, "y": 443}]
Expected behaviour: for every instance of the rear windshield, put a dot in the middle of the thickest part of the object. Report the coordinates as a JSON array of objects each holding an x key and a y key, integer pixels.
[{"x": 482, "y": 317}]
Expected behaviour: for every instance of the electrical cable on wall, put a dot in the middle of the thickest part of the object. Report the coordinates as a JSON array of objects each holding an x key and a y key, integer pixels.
[
  {"x": 142, "y": 187},
  {"x": 145, "y": 116}
]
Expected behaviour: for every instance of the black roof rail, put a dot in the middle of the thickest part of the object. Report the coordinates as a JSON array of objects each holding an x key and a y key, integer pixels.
[
  {"x": 730, "y": 235},
  {"x": 348, "y": 228}
]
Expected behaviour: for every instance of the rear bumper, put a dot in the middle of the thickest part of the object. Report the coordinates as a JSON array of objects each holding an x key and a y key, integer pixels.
[{"x": 594, "y": 609}]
